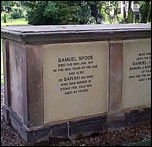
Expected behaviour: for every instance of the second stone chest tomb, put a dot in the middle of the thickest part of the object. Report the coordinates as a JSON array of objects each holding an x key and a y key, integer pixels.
[{"x": 63, "y": 81}]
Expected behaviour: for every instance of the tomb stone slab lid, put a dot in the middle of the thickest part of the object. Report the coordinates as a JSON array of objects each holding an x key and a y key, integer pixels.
[{"x": 75, "y": 33}]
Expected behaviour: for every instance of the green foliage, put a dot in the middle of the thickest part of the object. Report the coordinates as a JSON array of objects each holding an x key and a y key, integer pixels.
[
  {"x": 84, "y": 12},
  {"x": 51, "y": 13},
  {"x": 2, "y": 17},
  {"x": 145, "y": 11},
  {"x": 130, "y": 16},
  {"x": 106, "y": 17},
  {"x": 68, "y": 12},
  {"x": 130, "y": 13},
  {"x": 7, "y": 5},
  {"x": 29, "y": 4},
  {"x": 42, "y": 15},
  {"x": 149, "y": 13},
  {"x": 74, "y": 12},
  {"x": 16, "y": 12},
  {"x": 65, "y": 12},
  {"x": 95, "y": 7}
]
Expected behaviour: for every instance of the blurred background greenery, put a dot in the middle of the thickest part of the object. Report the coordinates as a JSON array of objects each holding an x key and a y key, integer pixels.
[{"x": 76, "y": 12}]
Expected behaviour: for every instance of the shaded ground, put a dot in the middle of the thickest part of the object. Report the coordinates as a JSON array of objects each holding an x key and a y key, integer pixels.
[{"x": 140, "y": 132}]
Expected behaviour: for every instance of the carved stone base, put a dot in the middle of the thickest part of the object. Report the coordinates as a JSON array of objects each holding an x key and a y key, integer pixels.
[
  {"x": 116, "y": 121},
  {"x": 73, "y": 129}
]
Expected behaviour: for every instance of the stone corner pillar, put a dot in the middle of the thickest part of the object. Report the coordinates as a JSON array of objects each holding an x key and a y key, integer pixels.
[{"x": 115, "y": 116}]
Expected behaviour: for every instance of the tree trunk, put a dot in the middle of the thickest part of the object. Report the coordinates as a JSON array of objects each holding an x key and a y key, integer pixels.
[
  {"x": 116, "y": 10},
  {"x": 130, "y": 13},
  {"x": 4, "y": 17},
  {"x": 124, "y": 10}
]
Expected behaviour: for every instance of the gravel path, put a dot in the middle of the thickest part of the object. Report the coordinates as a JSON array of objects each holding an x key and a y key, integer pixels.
[{"x": 131, "y": 134}]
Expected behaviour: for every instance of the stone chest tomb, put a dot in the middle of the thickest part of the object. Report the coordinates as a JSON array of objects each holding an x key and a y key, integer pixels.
[{"x": 67, "y": 80}]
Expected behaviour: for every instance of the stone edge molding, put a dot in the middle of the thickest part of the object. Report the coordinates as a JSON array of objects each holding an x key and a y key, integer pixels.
[{"x": 75, "y": 33}]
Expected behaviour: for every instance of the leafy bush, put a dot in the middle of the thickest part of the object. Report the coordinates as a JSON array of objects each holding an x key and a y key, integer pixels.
[
  {"x": 145, "y": 11},
  {"x": 16, "y": 12},
  {"x": 67, "y": 12},
  {"x": 52, "y": 13},
  {"x": 36, "y": 16}
]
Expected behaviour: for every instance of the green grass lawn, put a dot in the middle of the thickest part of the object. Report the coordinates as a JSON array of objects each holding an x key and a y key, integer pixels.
[
  {"x": 142, "y": 143},
  {"x": 20, "y": 21}
]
